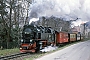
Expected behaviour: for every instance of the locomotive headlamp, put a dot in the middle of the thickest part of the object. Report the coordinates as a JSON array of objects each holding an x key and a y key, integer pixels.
[
  {"x": 27, "y": 32},
  {"x": 31, "y": 40},
  {"x": 20, "y": 48},
  {"x": 22, "y": 40}
]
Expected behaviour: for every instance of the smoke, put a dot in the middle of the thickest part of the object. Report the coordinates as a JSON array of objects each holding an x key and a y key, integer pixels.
[
  {"x": 49, "y": 48},
  {"x": 33, "y": 20},
  {"x": 68, "y": 9}
]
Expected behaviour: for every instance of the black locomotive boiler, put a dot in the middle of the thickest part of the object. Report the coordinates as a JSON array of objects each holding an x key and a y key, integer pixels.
[{"x": 36, "y": 37}]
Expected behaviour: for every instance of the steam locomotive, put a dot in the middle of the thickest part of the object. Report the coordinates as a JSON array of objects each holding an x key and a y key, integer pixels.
[{"x": 35, "y": 38}]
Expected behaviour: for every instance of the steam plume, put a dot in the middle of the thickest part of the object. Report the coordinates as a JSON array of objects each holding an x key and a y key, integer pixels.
[{"x": 68, "y": 9}]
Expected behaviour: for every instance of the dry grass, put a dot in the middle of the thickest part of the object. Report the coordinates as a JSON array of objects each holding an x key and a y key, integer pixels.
[{"x": 8, "y": 51}]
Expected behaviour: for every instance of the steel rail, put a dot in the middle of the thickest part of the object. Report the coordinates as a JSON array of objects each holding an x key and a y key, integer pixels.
[{"x": 13, "y": 56}]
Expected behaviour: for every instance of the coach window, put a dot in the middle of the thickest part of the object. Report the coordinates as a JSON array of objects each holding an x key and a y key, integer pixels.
[
  {"x": 66, "y": 35},
  {"x": 73, "y": 36},
  {"x": 60, "y": 35},
  {"x": 70, "y": 35}
]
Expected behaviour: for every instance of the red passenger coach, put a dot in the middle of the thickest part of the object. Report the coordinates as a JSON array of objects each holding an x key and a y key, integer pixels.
[{"x": 61, "y": 37}]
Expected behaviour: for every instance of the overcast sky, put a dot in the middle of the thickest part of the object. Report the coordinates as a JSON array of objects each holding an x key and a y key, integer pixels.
[{"x": 67, "y": 9}]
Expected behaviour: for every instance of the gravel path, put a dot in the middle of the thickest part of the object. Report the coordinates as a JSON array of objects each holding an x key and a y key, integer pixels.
[{"x": 79, "y": 51}]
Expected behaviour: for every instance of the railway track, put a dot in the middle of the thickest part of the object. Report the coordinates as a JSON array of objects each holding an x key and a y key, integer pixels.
[{"x": 8, "y": 57}]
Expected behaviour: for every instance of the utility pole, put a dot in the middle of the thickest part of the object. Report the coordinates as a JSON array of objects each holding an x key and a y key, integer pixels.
[
  {"x": 18, "y": 23},
  {"x": 84, "y": 30}
]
